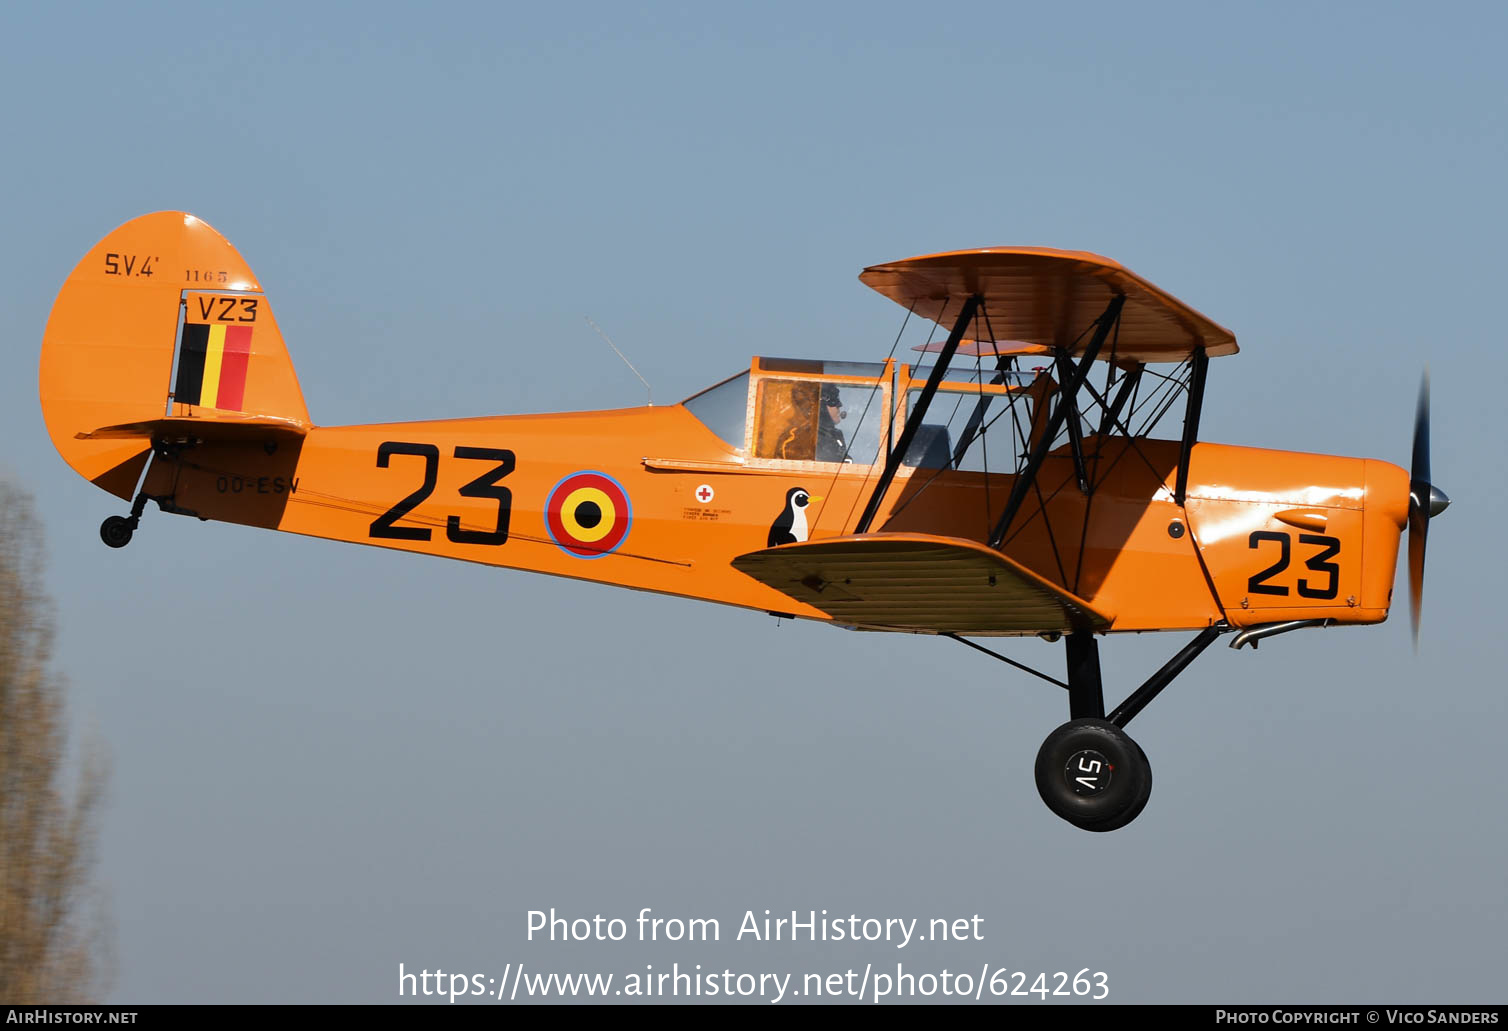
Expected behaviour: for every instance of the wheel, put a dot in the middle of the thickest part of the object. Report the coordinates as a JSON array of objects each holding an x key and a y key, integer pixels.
[
  {"x": 1137, "y": 806},
  {"x": 116, "y": 531},
  {"x": 1093, "y": 775}
]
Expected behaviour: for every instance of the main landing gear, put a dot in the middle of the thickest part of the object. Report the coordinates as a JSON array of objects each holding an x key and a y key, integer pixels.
[{"x": 1089, "y": 771}]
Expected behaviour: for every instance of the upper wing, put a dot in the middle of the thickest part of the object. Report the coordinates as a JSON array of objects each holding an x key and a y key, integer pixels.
[
  {"x": 919, "y": 583},
  {"x": 1037, "y": 296}
]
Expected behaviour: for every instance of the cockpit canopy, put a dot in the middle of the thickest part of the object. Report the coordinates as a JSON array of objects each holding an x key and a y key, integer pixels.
[
  {"x": 830, "y": 412},
  {"x": 798, "y": 410}
]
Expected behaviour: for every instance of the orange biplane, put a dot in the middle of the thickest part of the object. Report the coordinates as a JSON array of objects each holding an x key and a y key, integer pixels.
[{"x": 1016, "y": 493}]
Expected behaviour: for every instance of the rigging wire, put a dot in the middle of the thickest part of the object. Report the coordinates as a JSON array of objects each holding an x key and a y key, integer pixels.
[
  {"x": 885, "y": 433},
  {"x": 878, "y": 389},
  {"x": 1009, "y": 662}
]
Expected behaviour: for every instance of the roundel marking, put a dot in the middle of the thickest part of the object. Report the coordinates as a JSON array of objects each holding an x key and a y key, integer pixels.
[{"x": 588, "y": 514}]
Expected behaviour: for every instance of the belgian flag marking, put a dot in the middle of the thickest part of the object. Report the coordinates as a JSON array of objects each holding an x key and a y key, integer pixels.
[
  {"x": 212, "y": 360},
  {"x": 588, "y": 514}
]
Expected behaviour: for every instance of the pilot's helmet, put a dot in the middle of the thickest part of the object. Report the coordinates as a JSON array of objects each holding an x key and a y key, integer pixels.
[{"x": 830, "y": 395}]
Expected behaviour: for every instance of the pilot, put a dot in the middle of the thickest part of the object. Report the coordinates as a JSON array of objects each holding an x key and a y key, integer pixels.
[{"x": 831, "y": 444}]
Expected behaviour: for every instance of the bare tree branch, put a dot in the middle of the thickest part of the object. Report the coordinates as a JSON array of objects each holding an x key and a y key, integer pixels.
[{"x": 52, "y": 941}]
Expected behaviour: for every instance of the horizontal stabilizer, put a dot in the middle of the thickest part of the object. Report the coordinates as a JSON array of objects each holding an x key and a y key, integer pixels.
[
  {"x": 919, "y": 583},
  {"x": 223, "y": 427}
]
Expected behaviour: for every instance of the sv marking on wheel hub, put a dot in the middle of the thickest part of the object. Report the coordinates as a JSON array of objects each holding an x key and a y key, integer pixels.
[{"x": 1088, "y": 772}]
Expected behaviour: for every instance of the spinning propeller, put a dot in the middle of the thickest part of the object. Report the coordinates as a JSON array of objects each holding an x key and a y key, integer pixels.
[{"x": 1425, "y": 502}]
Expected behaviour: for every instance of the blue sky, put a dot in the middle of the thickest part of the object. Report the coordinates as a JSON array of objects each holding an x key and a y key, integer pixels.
[{"x": 329, "y": 760}]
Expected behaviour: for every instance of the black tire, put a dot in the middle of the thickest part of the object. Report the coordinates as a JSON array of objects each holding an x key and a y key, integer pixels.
[
  {"x": 1093, "y": 775},
  {"x": 116, "y": 531},
  {"x": 1137, "y": 806}
]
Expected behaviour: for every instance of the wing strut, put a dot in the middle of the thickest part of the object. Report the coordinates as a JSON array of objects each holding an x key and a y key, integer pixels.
[
  {"x": 915, "y": 416},
  {"x": 1201, "y": 367},
  {"x": 1113, "y": 412},
  {"x": 1067, "y": 390},
  {"x": 1075, "y": 428}
]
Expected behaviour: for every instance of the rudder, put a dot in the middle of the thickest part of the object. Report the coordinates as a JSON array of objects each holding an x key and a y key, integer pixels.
[{"x": 162, "y": 319}]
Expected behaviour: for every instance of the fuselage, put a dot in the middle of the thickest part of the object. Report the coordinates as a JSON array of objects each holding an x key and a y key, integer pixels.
[{"x": 652, "y": 499}]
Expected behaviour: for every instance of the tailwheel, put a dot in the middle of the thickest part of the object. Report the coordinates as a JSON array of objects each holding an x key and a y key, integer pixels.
[
  {"x": 1092, "y": 774},
  {"x": 116, "y": 531}
]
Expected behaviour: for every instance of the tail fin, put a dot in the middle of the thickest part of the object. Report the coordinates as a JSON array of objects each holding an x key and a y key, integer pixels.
[{"x": 162, "y": 323}]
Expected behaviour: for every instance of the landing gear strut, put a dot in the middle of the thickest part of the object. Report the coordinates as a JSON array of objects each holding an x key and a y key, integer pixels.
[{"x": 1089, "y": 771}]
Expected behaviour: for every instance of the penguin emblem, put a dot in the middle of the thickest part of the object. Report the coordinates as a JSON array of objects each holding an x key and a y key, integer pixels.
[{"x": 790, "y": 525}]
